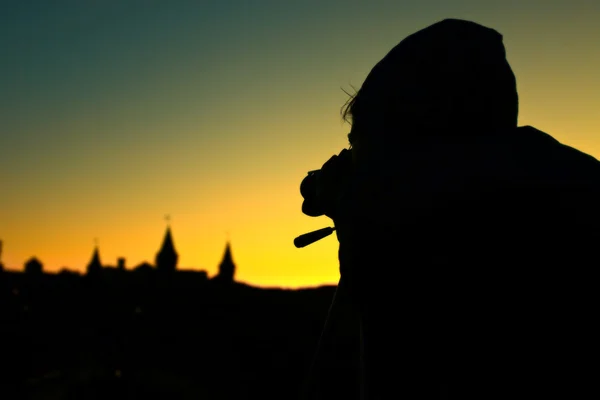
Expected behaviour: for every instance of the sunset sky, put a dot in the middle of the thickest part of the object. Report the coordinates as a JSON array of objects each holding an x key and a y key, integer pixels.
[{"x": 114, "y": 113}]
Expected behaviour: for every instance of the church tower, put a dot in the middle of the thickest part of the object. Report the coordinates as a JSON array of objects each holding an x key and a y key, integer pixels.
[
  {"x": 166, "y": 258},
  {"x": 227, "y": 267},
  {"x": 95, "y": 266}
]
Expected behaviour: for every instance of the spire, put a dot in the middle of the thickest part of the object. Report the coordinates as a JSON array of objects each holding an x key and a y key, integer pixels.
[
  {"x": 95, "y": 265},
  {"x": 168, "y": 246},
  {"x": 227, "y": 258},
  {"x": 166, "y": 258},
  {"x": 227, "y": 267},
  {"x": 96, "y": 257}
]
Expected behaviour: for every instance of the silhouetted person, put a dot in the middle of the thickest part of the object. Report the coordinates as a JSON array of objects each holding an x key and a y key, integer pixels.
[{"x": 467, "y": 244}]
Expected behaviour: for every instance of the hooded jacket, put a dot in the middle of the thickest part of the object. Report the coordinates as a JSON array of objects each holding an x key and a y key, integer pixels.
[{"x": 468, "y": 244}]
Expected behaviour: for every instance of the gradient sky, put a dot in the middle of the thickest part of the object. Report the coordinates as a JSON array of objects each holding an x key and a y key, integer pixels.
[{"x": 114, "y": 113}]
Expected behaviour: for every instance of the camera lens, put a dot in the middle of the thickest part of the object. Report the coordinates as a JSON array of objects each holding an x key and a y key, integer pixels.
[
  {"x": 308, "y": 190},
  {"x": 308, "y": 187}
]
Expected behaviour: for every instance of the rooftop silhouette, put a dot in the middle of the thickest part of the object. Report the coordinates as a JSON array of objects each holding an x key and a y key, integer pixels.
[
  {"x": 116, "y": 333},
  {"x": 165, "y": 261},
  {"x": 166, "y": 258},
  {"x": 227, "y": 266},
  {"x": 94, "y": 266}
]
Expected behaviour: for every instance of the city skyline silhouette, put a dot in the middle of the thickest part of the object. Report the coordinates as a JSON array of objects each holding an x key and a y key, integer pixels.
[
  {"x": 113, "y": 114},
  {"x": 153, "y": 330},
  {"x": 165, "y": 259}
]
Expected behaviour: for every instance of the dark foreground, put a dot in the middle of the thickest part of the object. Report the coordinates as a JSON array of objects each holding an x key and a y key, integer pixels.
[{"x": 66, "y": 336}]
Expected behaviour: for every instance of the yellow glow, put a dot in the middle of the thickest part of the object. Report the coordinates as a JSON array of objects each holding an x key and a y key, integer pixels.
[{"x": 223, "y": 147}]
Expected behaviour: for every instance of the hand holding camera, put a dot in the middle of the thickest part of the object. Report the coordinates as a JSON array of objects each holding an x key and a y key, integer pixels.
[{"x": 322, "y": 191}]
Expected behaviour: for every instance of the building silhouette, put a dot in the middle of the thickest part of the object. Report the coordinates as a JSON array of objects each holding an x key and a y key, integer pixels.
[
  {"x": 144, "y": 267},
  {"x": 166, "y": 258},
  {"x": 165, "y": 262},
  {"x": 33, "y": 266},
  {"x": 227, "y": 267},
  {"x": 94, "y": 267}
]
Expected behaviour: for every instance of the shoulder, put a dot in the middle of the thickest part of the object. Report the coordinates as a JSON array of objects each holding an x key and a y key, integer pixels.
[{"x": 542, "y": 144}]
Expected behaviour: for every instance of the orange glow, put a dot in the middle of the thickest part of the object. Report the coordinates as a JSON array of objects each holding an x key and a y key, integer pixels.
[{"x": 222, "y": 146}]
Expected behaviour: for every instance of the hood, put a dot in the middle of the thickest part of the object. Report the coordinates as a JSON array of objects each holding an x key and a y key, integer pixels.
[{"x": 453, "y": 73}]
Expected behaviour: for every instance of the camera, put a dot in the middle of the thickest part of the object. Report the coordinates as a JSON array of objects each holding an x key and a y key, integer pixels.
[
  {"x": 320, "y": 187},
  {"x": 308, "y": 190}
]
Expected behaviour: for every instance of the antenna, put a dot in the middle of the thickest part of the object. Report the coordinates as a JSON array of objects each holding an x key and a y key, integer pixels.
[
  {"x": 96, "y": 242},
  {"x": 168, "y": 218}
]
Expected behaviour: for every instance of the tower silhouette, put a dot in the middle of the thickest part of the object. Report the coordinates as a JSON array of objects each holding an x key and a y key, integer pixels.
[
  {"x": 227, "y": 267},
  {"x": 94, "y": 266},
  {"x": 166, "y": 258},
  {"x": 34, "y": 267}
]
